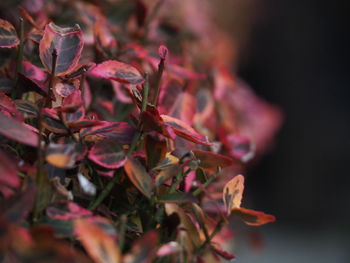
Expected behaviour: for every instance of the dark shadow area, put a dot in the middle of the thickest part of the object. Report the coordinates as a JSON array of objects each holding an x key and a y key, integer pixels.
[{"x": 299, "y": 60}]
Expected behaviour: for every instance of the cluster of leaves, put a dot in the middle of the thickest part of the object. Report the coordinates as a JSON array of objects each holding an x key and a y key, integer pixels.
[{"x": 114, "y": 148}]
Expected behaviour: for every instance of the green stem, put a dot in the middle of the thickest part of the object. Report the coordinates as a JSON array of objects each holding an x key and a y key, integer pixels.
[
  {"x": 105, "y": 192},
  {"x": 19, "y": 56},
  {"x": 134, "y": 142},
  {"x": 207, "y": 183},
  {"x": 180, "y": 176}
]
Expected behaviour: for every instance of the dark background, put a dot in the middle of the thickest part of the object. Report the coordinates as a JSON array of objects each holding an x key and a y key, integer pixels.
[{"x": 298, "y": 59}]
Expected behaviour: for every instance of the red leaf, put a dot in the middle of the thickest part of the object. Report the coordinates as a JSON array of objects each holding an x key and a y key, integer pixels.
[
  {"x": 80, "y": 69},
  {"x": 120, "y": 131},
  {"x": 185, "y": 131},
  {"x": 8, "y": 107},
  {"x": 33, "y": 72},
  {"x": 138, "y": 176},
  {"x": 17, "y": 131},
  {"x": 118, "y": 71},
  {"x": 163, "y": 52},
  {"x": 240, "y": 147},
  {"x": 210, "y": 160},
  {"x": 253, "y": 218},
  {"x": 8, "y": 35},
  {"x": 68, "y": 42},
  {"x": 65, "y": 210},
  {"x": 108, "y": 153}
]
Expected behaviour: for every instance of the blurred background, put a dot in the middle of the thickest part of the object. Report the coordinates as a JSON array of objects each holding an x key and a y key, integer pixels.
[{"x": 294, "y": 54}]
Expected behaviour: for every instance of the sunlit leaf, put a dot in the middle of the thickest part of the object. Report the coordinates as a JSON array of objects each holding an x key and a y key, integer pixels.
[
  {"x": 184, "y": 130},
  {"x": 253, "y": 218},
  {"x": 100, "y": 246},
  {"x": 8, "y": 35},
  {"x": 139, "y": 176},
  {"x": 232, "y": 193},
  {"x": 67, "y": 42},
  {"x": 118, "y": 71},
  {"x": 17, "y": 131},
  {"x": 108, "y": 153}
]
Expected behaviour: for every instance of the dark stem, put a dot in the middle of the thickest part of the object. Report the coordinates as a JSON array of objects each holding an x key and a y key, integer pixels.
[
  {"x": 52, "y": 77},
  {"x": 19, "y": 56}
]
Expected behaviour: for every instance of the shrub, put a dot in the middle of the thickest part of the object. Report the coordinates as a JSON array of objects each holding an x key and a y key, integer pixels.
[{"x": 123, "y": 137}]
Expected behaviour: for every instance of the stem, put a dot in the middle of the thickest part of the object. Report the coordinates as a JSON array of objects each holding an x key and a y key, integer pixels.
[
  {"x": 159, "y": 78},
  {"x": 19, "y": 55},
  {"x": 207, "y": 183},
  {"x": 104, "y": 192},
  {"x": 122, "y": 230},
  {"x": 52, "y": 77},
  {"x": 180, "y": 176},
  {"x": 145, "y": 93}
]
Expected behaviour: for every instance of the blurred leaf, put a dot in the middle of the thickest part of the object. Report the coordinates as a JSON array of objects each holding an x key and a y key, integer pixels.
[
  {"x": 66, "y": 210},
  {"x": 144, "y": 249},
  {"x": 9, "y": 180},
  {"x": 8, "y": 35},
  {"x": 68, "y": 42},
  {"x": 98, "y": 244},
  {"x": 138, "y": 176},
  {"x": 118, "y": 71},
  {"x": 156, "y": 149},
  {"x": 18, "y": 131},
  {"x": 169, "y": 160},
  {"x": 64, "y": 155}
]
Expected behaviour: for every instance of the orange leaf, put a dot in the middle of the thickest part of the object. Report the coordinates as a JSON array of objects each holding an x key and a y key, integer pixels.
[
  {"x": 99, "y": 245},
  {"x": 253, "y": 218},
  {"x": 138, "y": 176},
  {"x": 232, "y": 194}
]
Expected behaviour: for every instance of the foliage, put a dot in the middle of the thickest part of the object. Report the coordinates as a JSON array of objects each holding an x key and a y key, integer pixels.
[{"x": 122, "y": 137}]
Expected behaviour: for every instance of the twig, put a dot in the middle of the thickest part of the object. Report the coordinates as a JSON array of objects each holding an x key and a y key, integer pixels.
[{"x": 19, "y": 56}]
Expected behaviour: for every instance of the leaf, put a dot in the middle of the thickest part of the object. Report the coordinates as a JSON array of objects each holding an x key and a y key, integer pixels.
[
  {"x": 17, "y": 131},
  {"x": 68, "y": 42},
  {"x": 8, "y": 35},
  {"x": 64, "y": 155},
  {"x": 28, "y": 108},
  {"x": 118, "y": 71},
  {"x": 210, "y": 160},
  {"x": 169, "y": 248},
  {"x": 120, "y": 131},
  {"x": 253, "y": 218},
  {"x": 80, "y": 69},
  {"x": 33, "y": 72},
  {"x": 167, "y": 161},
  {"x": 222, "y": 253},
  {"x": 100, "y": 246},
  {"x": 232, "y": 193},
  {"x": 17, "y": 207},
  {"x": 138, "y": 176},
  {"x": 66, "y": 210},
  {"x": 163, "y": 52},
  {"x": 9, "y": 180},
  {"x": 143, "y": 249},
  {"x": 179, "y": 197},
  {"x": 156, "y": 149},
  {"x": 8, "y": 107},
  {"x": 184, "y": 130},
  {"x": 241, "y": 147},
  {"x": 108, "y": 153}
]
